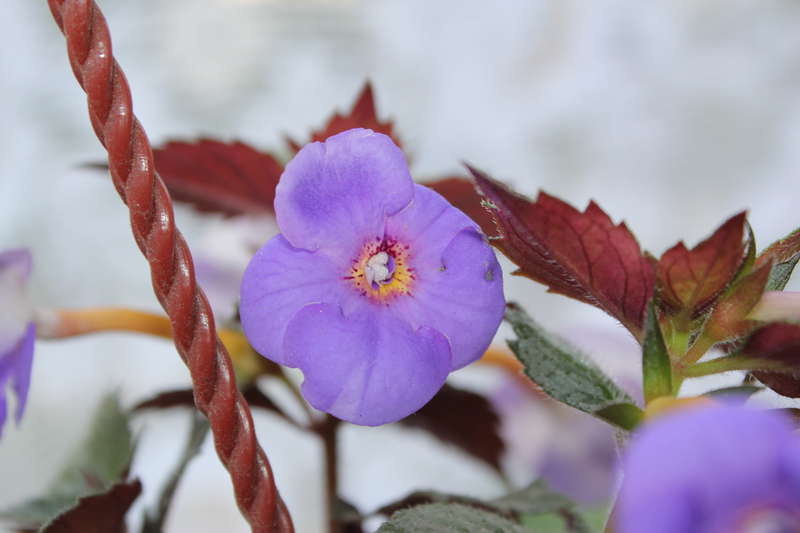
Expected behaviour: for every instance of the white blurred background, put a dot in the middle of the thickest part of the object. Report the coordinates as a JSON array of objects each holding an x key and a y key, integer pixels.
[{"x": 672, "y": 114}]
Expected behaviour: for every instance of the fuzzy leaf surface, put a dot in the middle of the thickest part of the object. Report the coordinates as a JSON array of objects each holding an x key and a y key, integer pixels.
[
  {"x": 583, "y": 255},
  {"x": 566, "y": 375},
  {"x": 229, "y": 178},
  {"x": 448, "y": 518},
  {"x": 656, "y": 364},
  {"x": 692, "y": 280},
  {"x": 784, "y": 254},
  {"x": 463, "y": 419},
  {"x": 536, "y": 499},
  {"x": 728, "y": 319}
]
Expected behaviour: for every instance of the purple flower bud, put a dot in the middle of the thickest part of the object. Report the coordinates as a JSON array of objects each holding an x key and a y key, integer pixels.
[
  {"x": 16, "y": 330},
  {"x": 376, "y": 288},
  {"x": 720, "y": 469}
]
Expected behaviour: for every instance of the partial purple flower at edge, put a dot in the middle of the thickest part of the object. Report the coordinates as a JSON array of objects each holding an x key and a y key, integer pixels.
[
  {"x": 720, "y": 469},
  {"x": 376, "y": 289},
  {"x": 17, "y": 331}
]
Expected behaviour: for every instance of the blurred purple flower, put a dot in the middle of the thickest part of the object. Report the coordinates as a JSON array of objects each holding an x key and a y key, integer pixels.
[
  {"x": 720, "y": 469},
  {"x": 376, "y": 289},
  {"x": 17, "y": 331},
  {"x": 574, "y": 452},
  {"x": 222, "y": 256}
]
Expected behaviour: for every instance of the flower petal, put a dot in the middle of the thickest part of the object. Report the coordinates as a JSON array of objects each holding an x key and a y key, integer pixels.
[
  {"x": 368, "y": 368},
  {"x": 279, "y": 281},
  {"x": 15, "y": 309},
  {"x": 337, "y": 194},
  {"x": 15, "y": 366},
  {"x": 458, "y": 288},
  {"x": 698, "y": 470}
]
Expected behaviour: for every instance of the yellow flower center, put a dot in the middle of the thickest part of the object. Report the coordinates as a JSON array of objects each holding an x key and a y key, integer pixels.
[{"x": 381, "y": 271}]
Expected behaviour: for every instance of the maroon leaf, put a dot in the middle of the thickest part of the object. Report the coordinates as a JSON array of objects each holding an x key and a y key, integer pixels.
[
  {"x": 98, "y": 513},
  {"x": 229, "y": 178},
  {"x": 728, "y": 320},
  {"x": 168, "y": 399},
  {"x": 464, "y": 419},
  {"x": 362, "y": 115},
  {"x": 690, "y": 281},
  {"x": 461, "y": 192},
  {"x": 185, "y": 398},
  {"x": 777, "y": 342},
  {"x": 583, "y": 255}
]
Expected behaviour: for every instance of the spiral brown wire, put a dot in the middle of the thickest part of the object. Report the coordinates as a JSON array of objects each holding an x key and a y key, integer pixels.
[{"x": 130, "y": 160}]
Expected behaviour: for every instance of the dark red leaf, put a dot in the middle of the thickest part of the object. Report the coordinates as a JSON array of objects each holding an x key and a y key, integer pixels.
[
  {"x": 583, "y": 255},
  {"x": 461, "y": 192},
  {"x": 464, "y": 419},
  {"x": 779, "y": 342},
  {"x": 185, "y": 398},
  {"x": 99, "y": 513},
  {"x": 362, "y": 115},
  {"x": 256, "y": 398},
  {"x": 168, "y": 399},
  {"x": 690, "y": 281},
  {"x": 229, "y": 178},
  {"x": 728, "y": 320}
]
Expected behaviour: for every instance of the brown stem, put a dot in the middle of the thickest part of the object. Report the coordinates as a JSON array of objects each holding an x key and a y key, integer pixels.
[{"x": 327, "y": 431}]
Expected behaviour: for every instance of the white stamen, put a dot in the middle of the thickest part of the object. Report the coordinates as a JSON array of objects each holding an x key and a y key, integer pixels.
[{"x": 377, "y": 269}]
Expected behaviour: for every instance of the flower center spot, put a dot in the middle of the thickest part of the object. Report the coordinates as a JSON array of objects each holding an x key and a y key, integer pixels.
[
  {"x": 379, "y": 269},
  {"x": 382, "y": 271}
]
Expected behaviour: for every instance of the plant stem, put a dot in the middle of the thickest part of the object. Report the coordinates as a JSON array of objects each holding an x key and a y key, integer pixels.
[
  {"x": 154, "y": 519},
  {"x": 326, "y": 429},
  {"x": 733, "y": 362}
]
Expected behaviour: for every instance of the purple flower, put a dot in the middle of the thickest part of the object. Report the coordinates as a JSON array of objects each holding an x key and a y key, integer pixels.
[
  {"x": 720, "y": 469},
  {"x": 16, "y": 329},
  {"x": 376, "y": 289}
]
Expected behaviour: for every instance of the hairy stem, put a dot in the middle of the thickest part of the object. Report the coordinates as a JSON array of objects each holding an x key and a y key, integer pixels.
[{"x": 734, "y": 362}]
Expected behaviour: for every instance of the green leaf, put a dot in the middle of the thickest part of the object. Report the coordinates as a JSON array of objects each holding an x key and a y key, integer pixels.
[
  {"x": 539, "y": 499},
  {"x": 104, "y": 457},
  {"x": 155, "y": 517},
  {"x": 536, "y": 499},
  {"x": 566, "y": 375},
  {"x": 99, "y": 464},
  {"x": 31, "y": 514},
  {"x": 737, "y": 392},
  {"x": 781, "y": 272},
  {"x": 448, "y": 518},
  {"x": 784, "y": 255},
  {"x": 656, "y": 365}
]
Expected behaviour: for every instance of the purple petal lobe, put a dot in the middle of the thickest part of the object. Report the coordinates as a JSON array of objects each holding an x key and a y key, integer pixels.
[
  {"x": 15, "y": 310},
  {"x": 368, "y": 368},
  {"x": 337, "y": 194},
  {"x": 15, "y": 366},
  {"x": 279, "y": 281},
  {"x": 458, "y": 288},
  {"x": 708, "y": 470}
]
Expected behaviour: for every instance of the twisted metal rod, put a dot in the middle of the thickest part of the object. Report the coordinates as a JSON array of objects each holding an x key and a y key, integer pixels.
[{"x": 130, "y": 161}]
